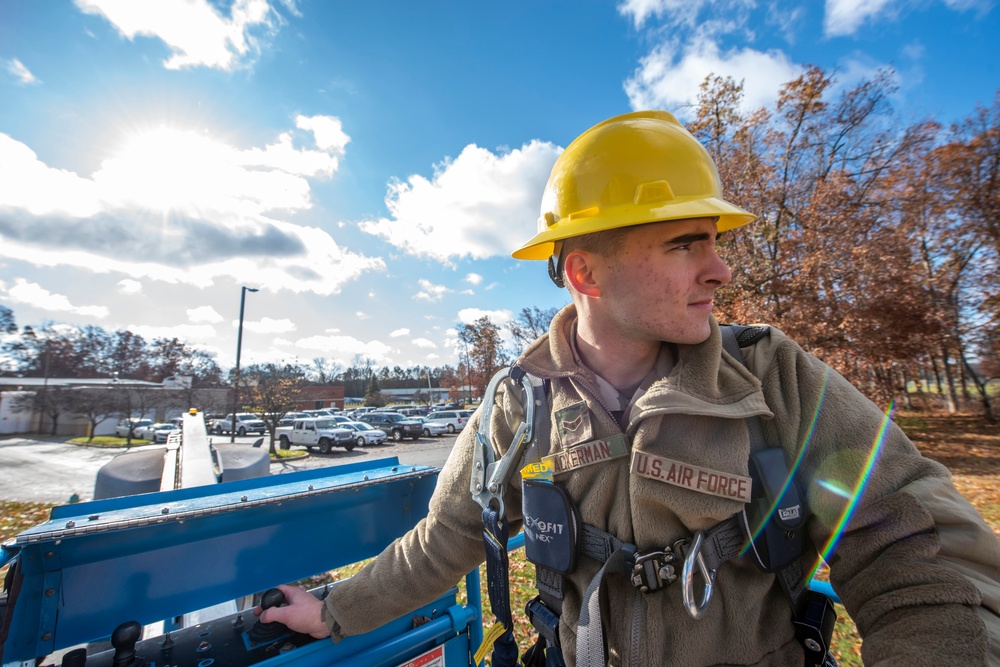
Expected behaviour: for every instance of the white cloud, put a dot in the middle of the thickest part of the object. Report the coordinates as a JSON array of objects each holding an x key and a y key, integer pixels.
[
  {"x": 34, "y": 186},
  {"x": 328, "y": 132},
  {"x": 267, "y": 325},
  {"x": 198, "y": 36},
  {"x": 171, "y": 169},
  {"x": 678, "y": 11},
  {"x": 430, "y": 292},
  {"x": 176, "y": 200},
  {"x": 844, "y": 17},
  {"x": 423, "y": 342},
  {"x": 22, "y": 73},
  {"x": 362, "y": 315},
  {"x": 129, "y": 286},
  {"x": 37, "y": 296},
  {"x": 346, "y": 346},
  {"x": 478, "y": 205},
  {"x": 473, "y": 279},
  {"x": 669, "y": 77},
  {"x": 399, "y": 332},
  {"x": 204, "y": 314},
  {"x": 470, "y": 315}
]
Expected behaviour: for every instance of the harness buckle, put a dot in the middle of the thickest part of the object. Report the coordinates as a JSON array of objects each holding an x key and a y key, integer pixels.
[{"x": 653, "y": 570}]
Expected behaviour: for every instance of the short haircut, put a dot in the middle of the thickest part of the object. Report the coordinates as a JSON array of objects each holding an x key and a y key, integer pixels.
[{"x": 606, "y": 243}]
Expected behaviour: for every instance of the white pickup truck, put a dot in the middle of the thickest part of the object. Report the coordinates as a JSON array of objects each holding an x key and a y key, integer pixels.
[{"x": 320, "y": 432}]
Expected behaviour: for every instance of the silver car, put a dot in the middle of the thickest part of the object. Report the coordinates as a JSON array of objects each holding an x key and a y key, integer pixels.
[
  {"x": 432, "y": 427},
  {"x": 364, "y": 434}
]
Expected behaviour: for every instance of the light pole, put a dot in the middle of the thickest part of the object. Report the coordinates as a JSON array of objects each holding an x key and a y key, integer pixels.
[{"x": 239, "y": 347}]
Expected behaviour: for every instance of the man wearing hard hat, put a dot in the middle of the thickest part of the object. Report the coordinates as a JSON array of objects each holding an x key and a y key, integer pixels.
[{"x": 682, "y": 478}]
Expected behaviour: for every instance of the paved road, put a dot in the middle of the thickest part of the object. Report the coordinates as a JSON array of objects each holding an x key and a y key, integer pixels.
[{"x": 51, "y": 472}]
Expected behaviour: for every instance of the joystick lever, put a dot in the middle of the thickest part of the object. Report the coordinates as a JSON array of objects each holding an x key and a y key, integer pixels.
[
  {"x": 262, "y": 632},
  {"x": 123, "y": 639}
]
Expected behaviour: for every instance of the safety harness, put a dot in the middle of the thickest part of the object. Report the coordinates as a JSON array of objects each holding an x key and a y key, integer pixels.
[{"x": 770, "y": 530}]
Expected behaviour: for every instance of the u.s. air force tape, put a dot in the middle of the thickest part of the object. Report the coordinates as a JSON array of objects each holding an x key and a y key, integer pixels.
[{"x": 687, "y": 476}]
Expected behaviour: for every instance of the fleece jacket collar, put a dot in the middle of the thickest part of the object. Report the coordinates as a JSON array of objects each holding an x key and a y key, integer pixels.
[{"x": 704, "y": 380}]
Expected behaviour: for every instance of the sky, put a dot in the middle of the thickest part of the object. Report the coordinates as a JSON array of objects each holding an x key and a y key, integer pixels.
[{"x": 369, "y": 166}]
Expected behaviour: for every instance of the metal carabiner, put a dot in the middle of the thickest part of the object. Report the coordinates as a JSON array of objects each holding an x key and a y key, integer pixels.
[
  {"x": 693, "y": 555},
  {"x": 489, "y": 475}
]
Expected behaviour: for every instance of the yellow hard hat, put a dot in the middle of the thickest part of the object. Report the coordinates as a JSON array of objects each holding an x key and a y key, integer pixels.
[{"x": 629, "y": 170}]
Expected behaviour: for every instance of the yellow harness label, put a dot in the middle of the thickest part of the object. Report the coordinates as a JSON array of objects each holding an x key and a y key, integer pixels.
[
  {"x": 489, "y": 639},
  {"x": 687, "y": 476},
  {"x": 541, "y": 470}
]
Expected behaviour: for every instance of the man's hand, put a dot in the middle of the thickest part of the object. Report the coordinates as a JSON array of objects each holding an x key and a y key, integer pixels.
[{"x": 301, "y": 613}]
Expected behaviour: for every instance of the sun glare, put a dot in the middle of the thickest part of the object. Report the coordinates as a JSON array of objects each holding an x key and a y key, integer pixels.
[{"x": 167, "y": 168}]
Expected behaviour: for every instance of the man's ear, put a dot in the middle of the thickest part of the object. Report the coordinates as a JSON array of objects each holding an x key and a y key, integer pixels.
[{"x": 579, "y": 268}]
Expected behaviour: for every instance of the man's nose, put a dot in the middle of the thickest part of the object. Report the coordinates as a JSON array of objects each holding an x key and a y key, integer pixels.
[{"x": 717, "y": 272}]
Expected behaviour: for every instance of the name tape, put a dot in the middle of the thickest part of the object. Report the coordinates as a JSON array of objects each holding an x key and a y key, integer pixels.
[
  {"x": 695, "y": 478},
  {"x": 588, "y": 453}
]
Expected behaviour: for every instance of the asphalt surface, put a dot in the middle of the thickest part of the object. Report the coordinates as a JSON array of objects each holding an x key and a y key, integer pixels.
[{"x": 52, "y": 472}]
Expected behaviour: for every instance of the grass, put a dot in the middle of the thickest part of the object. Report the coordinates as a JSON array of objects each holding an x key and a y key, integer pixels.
[
  {"x": 111, "y": 441},
  {"x": 288, "y": 454},
  {"x": 967, "y": 445}
]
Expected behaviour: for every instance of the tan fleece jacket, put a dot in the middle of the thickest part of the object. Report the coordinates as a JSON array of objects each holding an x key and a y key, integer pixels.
[{"x": 915, "y": 566}]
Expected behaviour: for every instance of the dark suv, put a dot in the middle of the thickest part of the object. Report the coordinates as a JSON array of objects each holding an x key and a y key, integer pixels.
[{"x": 396, "y": 425}]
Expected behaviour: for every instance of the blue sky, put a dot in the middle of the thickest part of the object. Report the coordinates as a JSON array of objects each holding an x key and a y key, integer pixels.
[{"x": 369, "y": 166}]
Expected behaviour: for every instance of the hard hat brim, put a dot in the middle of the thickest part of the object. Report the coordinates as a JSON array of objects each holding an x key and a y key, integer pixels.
[{"x": 541, "y": 246}]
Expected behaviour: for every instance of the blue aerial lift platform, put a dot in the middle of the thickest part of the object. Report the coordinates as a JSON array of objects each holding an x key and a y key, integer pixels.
[
  {"x": 169, "y": 578},
  {"x": 149, "y": 558}
]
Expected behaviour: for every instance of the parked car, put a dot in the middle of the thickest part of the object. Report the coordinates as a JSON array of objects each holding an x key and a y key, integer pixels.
[
  {"x": 453, "y": 418},
  {"x": 431, "y": 427},
  {"x": 365, "y": 434},
  {"x": 394, "y": 424},
  {"x": 123, "y": 426},
  {"x": 246, "y": 422},
  {"x": 156, "y": 432},
  {"x": 322, "y": 412},
  {"x": 290, "y": 418},
  {"x": 315, "y": 432}
]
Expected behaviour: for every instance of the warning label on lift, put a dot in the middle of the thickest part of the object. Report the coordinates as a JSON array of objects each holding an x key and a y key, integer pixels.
[{"x": 433, "y": 658}]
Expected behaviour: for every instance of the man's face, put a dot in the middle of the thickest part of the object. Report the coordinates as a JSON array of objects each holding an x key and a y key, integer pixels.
[{"x": 659, "y": 286}]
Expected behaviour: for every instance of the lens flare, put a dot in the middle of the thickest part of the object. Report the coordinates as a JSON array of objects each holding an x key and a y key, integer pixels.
[
  {"x": 859, "y": 489},
  {"x": 852, "y": 496},
  {"x": 803, "y": 447}
]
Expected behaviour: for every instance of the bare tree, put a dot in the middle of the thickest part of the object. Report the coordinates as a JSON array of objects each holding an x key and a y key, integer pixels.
[
  {"x": 484, "y": 353},
  {"x": 530, "y": 324},
  {"x": 272, "y": 391}
]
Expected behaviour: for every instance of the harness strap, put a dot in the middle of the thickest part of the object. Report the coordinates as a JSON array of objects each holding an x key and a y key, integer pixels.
[
  {"x": 590, "y": 634},
  {"x": 731, "y": 344},
  {"x": 495, "y": 534}
]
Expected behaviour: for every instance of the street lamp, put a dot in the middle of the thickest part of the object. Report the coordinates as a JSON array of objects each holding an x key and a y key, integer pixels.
[{"x": 239, "y": 347}]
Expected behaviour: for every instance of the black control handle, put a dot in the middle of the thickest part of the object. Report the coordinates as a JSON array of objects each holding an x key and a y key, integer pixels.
[
  {"x": 124, "y": 639},
  {"x": 262, "y": 632},
  {"x": 272, "y": 597}
]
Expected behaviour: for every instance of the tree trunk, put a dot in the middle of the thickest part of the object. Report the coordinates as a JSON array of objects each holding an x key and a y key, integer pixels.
[
  {"x": 907, "y": 398},
  {"x": 981, "y": 388},
  {"x": 949, "y": 382}
]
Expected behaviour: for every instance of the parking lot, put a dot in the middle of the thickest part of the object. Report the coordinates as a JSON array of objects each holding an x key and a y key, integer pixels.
[{"x": 52, "y": 472}]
